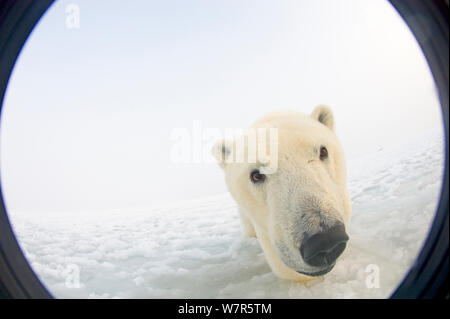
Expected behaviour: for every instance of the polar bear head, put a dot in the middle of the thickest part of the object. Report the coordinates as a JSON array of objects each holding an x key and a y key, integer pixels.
[{"x": 296, "y": 203}]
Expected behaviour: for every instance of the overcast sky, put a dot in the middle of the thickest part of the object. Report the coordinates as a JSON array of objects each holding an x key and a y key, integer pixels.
[{"x": 89, "y": 111}]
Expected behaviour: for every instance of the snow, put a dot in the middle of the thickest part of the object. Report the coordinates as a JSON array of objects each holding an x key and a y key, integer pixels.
[{"x": 195, "y": 249}]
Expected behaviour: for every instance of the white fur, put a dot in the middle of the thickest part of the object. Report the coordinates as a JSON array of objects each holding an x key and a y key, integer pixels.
[{"x": 304, "y": 194}]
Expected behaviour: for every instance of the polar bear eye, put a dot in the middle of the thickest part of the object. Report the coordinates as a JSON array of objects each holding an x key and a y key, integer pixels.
[
  {"x": 323, "y": 153},
  {"x": 257, "y": 177}
]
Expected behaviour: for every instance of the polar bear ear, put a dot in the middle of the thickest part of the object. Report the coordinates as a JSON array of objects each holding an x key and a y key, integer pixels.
[
  {"x": 221, "y": 150},
  {"x": 324, "y": 115}
]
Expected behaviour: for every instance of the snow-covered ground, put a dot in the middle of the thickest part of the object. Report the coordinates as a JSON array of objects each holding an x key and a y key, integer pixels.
[{"x": 195, "y": 249}]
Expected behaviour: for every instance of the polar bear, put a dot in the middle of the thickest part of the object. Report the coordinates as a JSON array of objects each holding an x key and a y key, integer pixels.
[{"x": 297, "y": 212}]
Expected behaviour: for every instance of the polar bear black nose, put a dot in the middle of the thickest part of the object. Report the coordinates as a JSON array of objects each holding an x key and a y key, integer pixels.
[{"x": 322, "y": 249}]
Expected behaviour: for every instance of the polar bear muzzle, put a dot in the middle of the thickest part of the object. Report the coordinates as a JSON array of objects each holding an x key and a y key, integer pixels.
[{"x": 323, "y": 248}]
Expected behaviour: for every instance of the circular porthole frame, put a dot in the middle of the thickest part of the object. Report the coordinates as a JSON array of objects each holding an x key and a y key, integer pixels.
[{"x": 428, "y": 21}]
